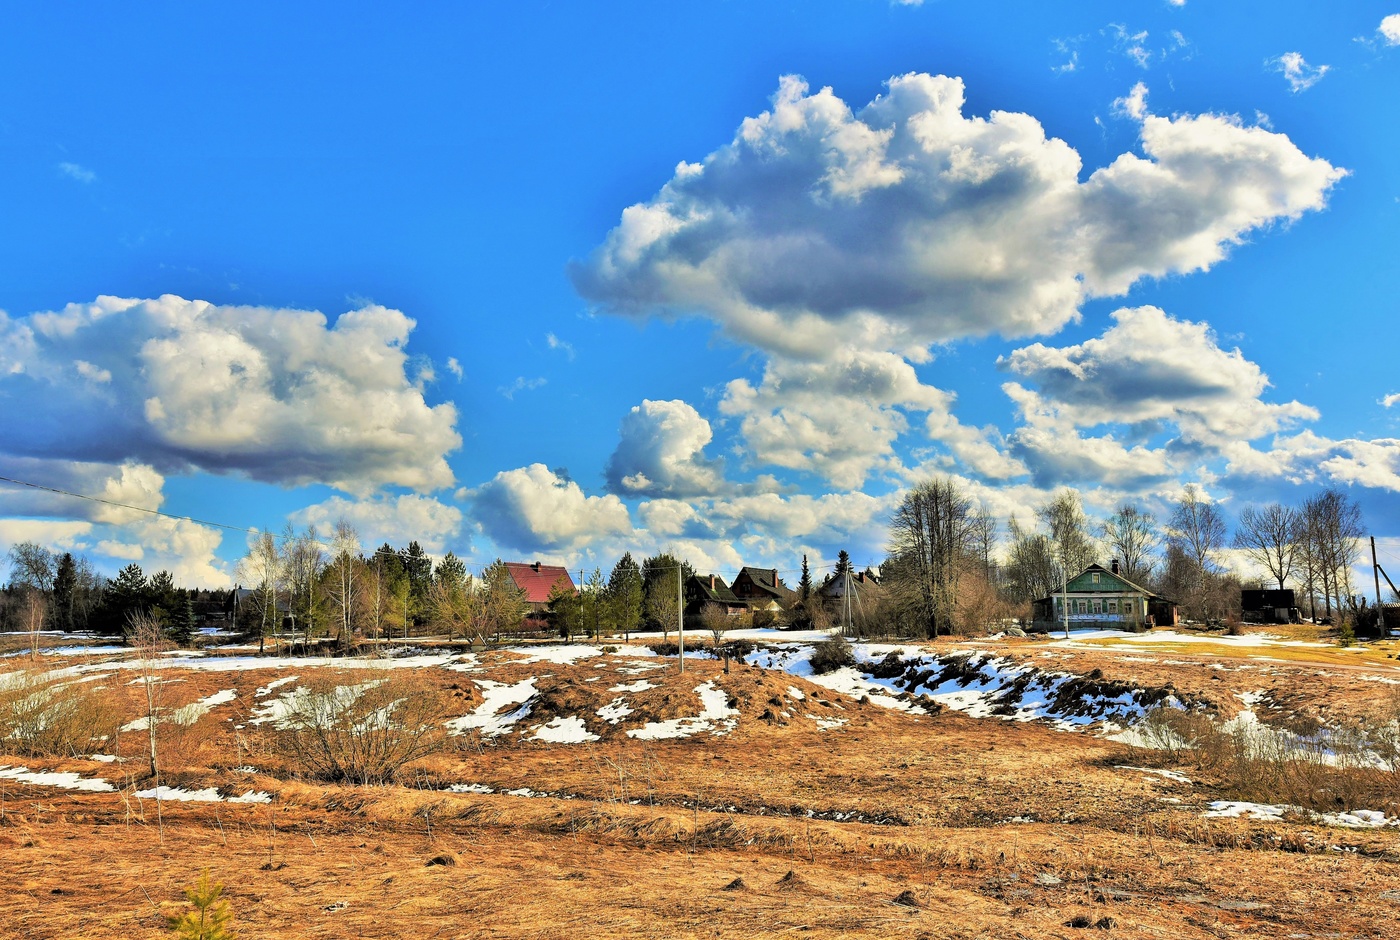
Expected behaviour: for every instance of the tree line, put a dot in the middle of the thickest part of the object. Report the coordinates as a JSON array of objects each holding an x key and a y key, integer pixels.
[
  {"x": 50, "y": 591},
  {"x": 952, "y": 569}
]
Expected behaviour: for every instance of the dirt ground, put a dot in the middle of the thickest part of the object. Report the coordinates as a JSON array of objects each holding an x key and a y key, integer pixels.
[{"x": 887, "y": 825}]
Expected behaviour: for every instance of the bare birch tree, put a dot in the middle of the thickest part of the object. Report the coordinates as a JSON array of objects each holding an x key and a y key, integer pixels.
[
  {"x": 345, "y": 580},
  {"x": 263, "y": 569}
]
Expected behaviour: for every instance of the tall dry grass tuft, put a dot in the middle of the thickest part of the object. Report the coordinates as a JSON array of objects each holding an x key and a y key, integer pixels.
[
  {"x": 42, "y": 716},
  {"x": 364, "y": 733},
  {"x": 1324, "y": 768}
]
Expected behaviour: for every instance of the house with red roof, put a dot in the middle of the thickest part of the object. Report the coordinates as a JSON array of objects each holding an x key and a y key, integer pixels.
[{"x": 537, "y": 580}]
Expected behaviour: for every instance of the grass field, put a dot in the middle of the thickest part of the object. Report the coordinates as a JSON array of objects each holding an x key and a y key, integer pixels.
[{"x": 753, "y": 802}]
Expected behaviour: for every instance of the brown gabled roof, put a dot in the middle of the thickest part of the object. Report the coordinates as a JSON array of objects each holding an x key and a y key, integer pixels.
[
  {"x": 765, "y": 579},
  {"x": 536, "y": 580},
  {"x": 712, "y": 588}
]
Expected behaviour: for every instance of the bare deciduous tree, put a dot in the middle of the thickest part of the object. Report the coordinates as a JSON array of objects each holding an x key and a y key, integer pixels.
[
  {"x": 1197, "y": 530},
  {"x": 932, "y": 531},
  {"x": 1131, "y": 534},
  {"x": 1269, "y": 536},
  {"x": 345, "y": 582},
  {"x": 1332, "y": 530},
  {"x": 264, "y": 570}
]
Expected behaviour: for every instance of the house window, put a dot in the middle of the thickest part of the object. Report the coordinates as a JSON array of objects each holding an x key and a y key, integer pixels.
[
  {"x": 1083, "y": 607},
  {"x": 1113, "y": 607},
  {"x": 1097, "y": 608},
  {"x": 1094, "y": 577}
]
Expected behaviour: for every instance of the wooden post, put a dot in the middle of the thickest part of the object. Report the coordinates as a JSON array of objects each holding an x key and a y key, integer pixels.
[
  {"x": 680, "y": 616},
  {"x": 1380, "y": 608}
]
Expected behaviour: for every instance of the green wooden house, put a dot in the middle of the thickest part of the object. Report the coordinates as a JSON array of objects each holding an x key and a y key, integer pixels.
[{"x": 1101, "y": 598}]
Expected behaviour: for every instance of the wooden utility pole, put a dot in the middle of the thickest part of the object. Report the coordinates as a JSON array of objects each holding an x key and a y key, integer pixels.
[
  {"x": 680, "y": 616},
  {"x": 1376, "y": 575}
]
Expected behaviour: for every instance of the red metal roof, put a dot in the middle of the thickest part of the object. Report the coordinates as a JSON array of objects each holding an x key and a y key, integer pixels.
[{"x": 536, "y": 579}]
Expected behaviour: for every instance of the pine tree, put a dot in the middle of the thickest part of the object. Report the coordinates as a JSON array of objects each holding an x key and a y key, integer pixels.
[
  {"x": 211, "y": 918},
  {"x": 804, "y": 586}
]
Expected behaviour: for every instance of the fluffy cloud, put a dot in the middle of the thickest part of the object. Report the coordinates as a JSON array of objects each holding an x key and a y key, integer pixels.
[
  {"x": 396, "y": 519},
  {"x": 660, "y": 453},
  {"x": 838, "y": 419},
  {"x": 128, "y": 483},
  {"x": 1149, "y": 371},
  {"x": 1308, "y": 457},
  {"x": 1299, "y": 74},
  {"x": 1390, "y": 29},
  {"x": 905, "y": 223},
  {"x": 535, "y": 509},
  {"x": 274, "y": 394}
]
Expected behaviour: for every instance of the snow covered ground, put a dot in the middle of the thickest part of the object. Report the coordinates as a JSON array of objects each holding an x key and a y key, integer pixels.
[{"x": 715, "y": 717}]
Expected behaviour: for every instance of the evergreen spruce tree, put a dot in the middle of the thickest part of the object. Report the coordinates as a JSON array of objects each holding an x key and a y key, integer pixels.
[
  {"x": 625, "y": 594},
  {"x": 804, "y": 586},
  {"x": 65, "y": 584}
]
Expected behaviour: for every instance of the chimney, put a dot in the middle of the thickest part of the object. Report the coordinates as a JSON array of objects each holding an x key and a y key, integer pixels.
[
  {"x": 1114, "y": 566},
  {"x": 775, "y": 577},
  {"x": 712, "y": 582},
  {"x": 535, "y": 567}
]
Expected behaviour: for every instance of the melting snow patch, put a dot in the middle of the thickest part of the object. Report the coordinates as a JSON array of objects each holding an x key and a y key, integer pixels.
[
  {"x": 796, "y": 693},
  {"x": 716, "y": 717},
  {"x": 641, "y": 685},
  {"x": 1237, "y": 809},
  {"x": 470, "y": 788},
  {"x": 274, "y": 684},
  {"x": 561, "y": 655},
  {"x": 566, "y": 730},
  {"x": 1361, "y": 819},
  {"x": 1169, "y": 774},
  {"x": 207, "y": 795},
  {"x": 826, "y": 724},
  {"x": 497, "y": 696},
  {"x": 615, "y": 711},
  {"x": 65, "y": 779}
]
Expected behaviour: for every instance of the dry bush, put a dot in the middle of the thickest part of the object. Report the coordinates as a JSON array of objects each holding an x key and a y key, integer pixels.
[
  {"x": 1326, "y": 769},
  {"x": 831, "y": 655},
  {"x": 361, "y": 733},
  {"x": 43, "y": 716}
]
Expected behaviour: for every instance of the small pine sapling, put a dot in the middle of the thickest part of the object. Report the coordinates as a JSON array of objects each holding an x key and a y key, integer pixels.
[{"x": 211, "y": 918}]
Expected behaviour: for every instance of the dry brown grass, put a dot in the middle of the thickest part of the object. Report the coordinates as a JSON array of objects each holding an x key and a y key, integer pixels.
[{"x": 824, "y": 830}]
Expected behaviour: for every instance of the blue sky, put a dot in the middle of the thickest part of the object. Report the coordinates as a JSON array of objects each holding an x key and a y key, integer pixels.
[{"x": 720, "y": 277}]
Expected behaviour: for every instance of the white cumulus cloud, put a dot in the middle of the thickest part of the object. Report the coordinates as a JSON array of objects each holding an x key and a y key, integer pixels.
[
  {"x": 536, "y": 509},
  {"x": 660, "y": 453},
  {"x": 819, "y": 228},
  {"x": 274, "y": 394},
  {"x": 1390, "y": 29},
  {"x": 394, "y": 519}
]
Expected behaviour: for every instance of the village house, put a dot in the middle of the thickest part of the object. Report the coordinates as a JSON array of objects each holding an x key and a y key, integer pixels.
[
  {"x": 834, "y": 586},
  {"x": 537, "y": 580},
  {"x": 760, "y": 589},
  {"x": 1101, "y": 598},
  {"x": 704, "y": 591}
]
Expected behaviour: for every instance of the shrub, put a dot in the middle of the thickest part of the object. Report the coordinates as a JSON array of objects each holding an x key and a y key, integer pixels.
[
  {"x": 42, "y": 716},
  {"x": 361, "y": 733},
  {"x": 831, "y": 655}
]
